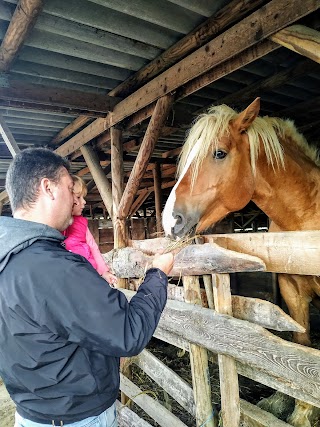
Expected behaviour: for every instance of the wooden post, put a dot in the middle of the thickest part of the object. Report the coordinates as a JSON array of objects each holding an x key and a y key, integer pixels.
[
  {"x": 98, "y": 175},
  {"x": 119, "y": 224},
  {"x": 229, "y": 386},
  {"x": 149, "y": 141},
  {"x": 158, "y": 196},
  {"x": 199, "y": 364},
  {"x": 1, "y": 207}
]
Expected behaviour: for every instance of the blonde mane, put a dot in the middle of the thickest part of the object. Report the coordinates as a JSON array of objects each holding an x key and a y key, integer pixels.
[{"x": 209, "y": 128}]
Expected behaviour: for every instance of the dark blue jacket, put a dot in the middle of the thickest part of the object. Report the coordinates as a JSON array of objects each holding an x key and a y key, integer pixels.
[{"x": 62, "y": 328}]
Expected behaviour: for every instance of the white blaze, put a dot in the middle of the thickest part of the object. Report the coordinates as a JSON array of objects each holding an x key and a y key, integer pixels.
[{"x": 168, "y": 220}]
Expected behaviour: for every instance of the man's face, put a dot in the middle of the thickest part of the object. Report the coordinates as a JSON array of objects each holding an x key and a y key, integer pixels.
[{"x": 65, "y": 200}]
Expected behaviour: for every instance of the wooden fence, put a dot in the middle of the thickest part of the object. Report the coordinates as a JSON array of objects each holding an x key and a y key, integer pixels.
[{"x": 232, "y": 335}]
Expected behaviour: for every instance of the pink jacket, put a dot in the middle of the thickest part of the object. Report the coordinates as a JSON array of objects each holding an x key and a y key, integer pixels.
[{"x": 80, "y": 241}]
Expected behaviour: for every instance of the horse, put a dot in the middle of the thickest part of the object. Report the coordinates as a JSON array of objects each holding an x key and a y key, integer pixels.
[{"x": 230, "y": 158}]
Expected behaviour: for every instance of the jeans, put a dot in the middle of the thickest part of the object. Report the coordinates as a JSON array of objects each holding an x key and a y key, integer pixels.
[{"x": 108, "y": 418}]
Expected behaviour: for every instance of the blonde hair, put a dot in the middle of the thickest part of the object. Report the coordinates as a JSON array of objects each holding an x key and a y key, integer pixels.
[{"x": 83, "y": 188}]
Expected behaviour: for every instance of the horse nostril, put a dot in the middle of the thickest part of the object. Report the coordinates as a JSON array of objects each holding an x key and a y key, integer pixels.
[
  {"x": 179, "y": 219},
  {"x": 180, "y": 223}
]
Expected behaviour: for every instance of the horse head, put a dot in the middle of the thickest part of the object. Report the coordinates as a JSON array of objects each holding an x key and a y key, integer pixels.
[{"x": 215, "y": 173}]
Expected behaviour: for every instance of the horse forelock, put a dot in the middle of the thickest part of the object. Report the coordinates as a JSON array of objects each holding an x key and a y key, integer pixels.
[{"x": 209, "y": 128}]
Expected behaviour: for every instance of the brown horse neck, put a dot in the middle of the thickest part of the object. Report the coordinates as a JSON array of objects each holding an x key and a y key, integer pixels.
[{"x": 290, "y": 196}]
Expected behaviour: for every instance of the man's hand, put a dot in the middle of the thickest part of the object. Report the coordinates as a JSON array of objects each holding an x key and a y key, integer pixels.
[{"x": 164, "y": 262}]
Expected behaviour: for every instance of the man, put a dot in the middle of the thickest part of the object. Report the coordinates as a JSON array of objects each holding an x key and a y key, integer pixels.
[{"x": 62, "y": 330}]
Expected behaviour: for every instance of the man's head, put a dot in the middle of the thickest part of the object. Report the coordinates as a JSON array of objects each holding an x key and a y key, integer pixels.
[{"x": 40, "y": 187}]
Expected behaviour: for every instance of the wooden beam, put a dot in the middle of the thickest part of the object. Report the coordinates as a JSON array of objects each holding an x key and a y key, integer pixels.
[
  {"x": 8, "y": 137},
  {"x": 70, "y": 129},
  {"x": 163, "y": 186},
  {"x": 38, "y": 94},
  {"x": 266, "y": 21},
  {"x": 158, "y": 197},
  {"x": 150, "y": 138},
  {"x": 300, "y": 39},
  {"x": 142, "y": 197},
  {"x": 234, "y": 11},
  {"x": 302, "y": 68},
  {"x": 172, "y": 153},
  {"x": 99, "y": 177},
  {"x": 228, "y": 15},
  {"x": 22, "y": 21}
]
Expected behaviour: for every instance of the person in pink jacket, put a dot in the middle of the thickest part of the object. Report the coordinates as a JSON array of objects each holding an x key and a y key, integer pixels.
[{"x": 79, "y": 240}]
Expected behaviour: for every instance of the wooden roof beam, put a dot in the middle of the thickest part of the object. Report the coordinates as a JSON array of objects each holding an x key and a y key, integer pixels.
[
  {"x": 228, "y": 15},
  {"x": 45, "y": 97},
  {"x": 234, "y": 11},
  {"x": 300, "y": 39},
  {"x": 266, "y": 21},
  {"x": 22, "y": 22},
  {"x": 302, "y": 68}
]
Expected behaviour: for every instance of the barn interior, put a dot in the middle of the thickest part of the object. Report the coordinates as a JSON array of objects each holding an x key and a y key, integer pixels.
[{"x": 80, "y": 76}]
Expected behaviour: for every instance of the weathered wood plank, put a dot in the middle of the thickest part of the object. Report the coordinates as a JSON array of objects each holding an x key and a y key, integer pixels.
[
  {"x": 179, "y": 390},
  {"x": 294, "y": 368},
  {"x": 22, "y": 21},
  {"x": 153, "y": 408},
  {"x": 300, "y": 39},
  {"x": 175, "y": 386},
  {"x": 282, "y": 252},
  {"x": 192, "y": 260},
  {"x": 255, "y": 310},
  {"x": 229, "y": 385},
  {"x": 127, "y": 418},
  {"x": 252, "y": 416},
  {"x": 205, "y": 413},
  {"x": 263, "y": 313}
]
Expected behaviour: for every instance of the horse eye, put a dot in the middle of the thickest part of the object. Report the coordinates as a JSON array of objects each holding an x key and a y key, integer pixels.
[{"x": 219, "y": 154}]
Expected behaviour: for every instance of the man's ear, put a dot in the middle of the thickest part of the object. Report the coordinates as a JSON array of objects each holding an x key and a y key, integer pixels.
[{"x": 47, "y": 188}]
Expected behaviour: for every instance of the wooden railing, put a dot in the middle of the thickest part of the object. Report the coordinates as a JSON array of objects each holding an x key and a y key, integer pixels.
[{"x": 239, "y": 346}]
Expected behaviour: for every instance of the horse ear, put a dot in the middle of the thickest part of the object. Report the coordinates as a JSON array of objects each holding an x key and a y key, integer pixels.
[{"x": 246, "y": 117}]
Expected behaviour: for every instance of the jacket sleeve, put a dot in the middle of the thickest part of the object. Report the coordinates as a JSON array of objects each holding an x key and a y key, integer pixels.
[
  {"x": 102, "y": 267},
  {"x": 100, "y": 318}
]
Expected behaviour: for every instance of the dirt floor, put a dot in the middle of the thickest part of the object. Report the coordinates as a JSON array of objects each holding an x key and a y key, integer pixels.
[{"x": 7, "y": 408}]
